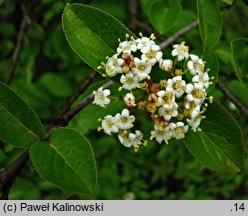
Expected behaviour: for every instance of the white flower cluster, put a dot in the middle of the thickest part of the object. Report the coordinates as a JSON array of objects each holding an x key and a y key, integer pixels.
[
  {"x": 133, "y": 68},
  {"x": 121, "y": 124},
  {"x": 175, "y": 104}
]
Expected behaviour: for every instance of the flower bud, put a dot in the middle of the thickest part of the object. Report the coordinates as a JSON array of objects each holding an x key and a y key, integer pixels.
[
  {"x": 166, "y": 65},
  {"x": 129, "y": 99}
]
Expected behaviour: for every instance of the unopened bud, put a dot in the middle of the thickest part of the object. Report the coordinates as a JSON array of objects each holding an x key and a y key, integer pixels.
[
  {"x": 129, "y": 99},
  {"x": 152, "y": 37},
  {"x": 166, "y": 65},
  {"x": 211, "y": 99}
]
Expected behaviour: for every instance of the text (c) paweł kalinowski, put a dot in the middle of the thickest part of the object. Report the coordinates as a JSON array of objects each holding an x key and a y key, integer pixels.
[{"x": 56, "y": 206}]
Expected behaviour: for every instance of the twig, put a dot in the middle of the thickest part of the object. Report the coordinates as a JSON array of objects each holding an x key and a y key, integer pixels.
[
  {"x": 82, "y": 88},
  {"x": 71, "y": 113},
  {"x": 178, "y": 34},
  {"x": 134, "y": 8},
  {"x": 65, "y": 119},
  {"x": 49, "y": 121},
  {"x": 16, "y": 52},
  {"x": 8, "y": 176},
  {"x": 233, "y": 98}
]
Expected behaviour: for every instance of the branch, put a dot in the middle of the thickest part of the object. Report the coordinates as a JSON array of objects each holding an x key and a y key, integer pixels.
[
  {"x": 66, "y": 118},
  {"x": 134, "y": 8},
  {"x": 82, "y": 88},
  {"x": 71, "y": 113},
  {"x": 178, "y": 34},
  {"x": 8, "y": 176},
  {"x": 233, "y": 98},
  {"x": 16, "y": 52}
]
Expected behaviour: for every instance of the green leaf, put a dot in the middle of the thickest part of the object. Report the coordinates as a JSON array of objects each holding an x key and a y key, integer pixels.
[
  {"x": 219, "y": 145},
  {"x": 162, "y": 16},
  {"x": 210, "y": 22},
  {"x": 67, "y": 161},
  {"x": 56, "y": 85},
  {"x": 213, "y": 65},
  {"x": 92, "y": 33},
  {"x": 146, "y": 4},
  {"x": 239, "y": 56},
  {"x": 240, "y": 90},
  {"x": 184, "y": 19},
  {"x": 230, "y": 2},
  {"x": 19, "y": 125},
  {"x": 223, "y": 51}
]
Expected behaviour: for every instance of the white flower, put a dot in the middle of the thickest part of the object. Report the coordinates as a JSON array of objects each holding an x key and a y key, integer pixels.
[
  {"x": 202, "y": 78},
  {"x": 178, "y": 129},
  {"x": 166, "y": 98},
  {"x": 130, "y": 139},
  {"x": 152, "y": 54},
  {"x": 142, "y": 68},
  {"x": 127, "y": 47},
  {"x": 143, "y": 42},
  {"x": 136, "y": 138},
  {"x": 181, "y": 51},
  {"x": 109, "y": 125},
  {"x": 195, "y": 111},
  {"x": 129, "y": 99},
  {"x": 195, "y": 65},
  {"x": 166, "y": 64},
  {"x": 196, "y": 93},
  {"x": 123, "y": 137},
  {"x": 195, "y": 117},
  {"x": 178, "y": 85},
  {"x": 113, "y": 65},
  {"x": 129, "y": 81},
  {"x": 161, "y": 134},
  {"x": 123, "y": 120},
  {"x": 101, "y": 97},
  {"x": 168, "y": 113},
  {"x": 194, "y": 122}
]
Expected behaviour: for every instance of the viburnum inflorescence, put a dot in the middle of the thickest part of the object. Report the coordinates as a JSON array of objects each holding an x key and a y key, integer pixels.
[{"x": 175, "y": 103}]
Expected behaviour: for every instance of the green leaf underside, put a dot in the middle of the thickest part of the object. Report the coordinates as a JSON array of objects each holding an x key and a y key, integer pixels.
[
  {"x": 219, "y": 145},
  {"x": 67, "y": 161},
  {"x": 19, "y": 125},
  {"x": 210, "y": 22},
  {"x": 239, "y": 59},
  {"x": 92, "y": 33},
  {"x": 164, "y": 17}
]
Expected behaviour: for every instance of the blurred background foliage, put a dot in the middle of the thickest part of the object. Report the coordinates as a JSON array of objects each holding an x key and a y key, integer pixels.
[{"x": 48, "y": 72}]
